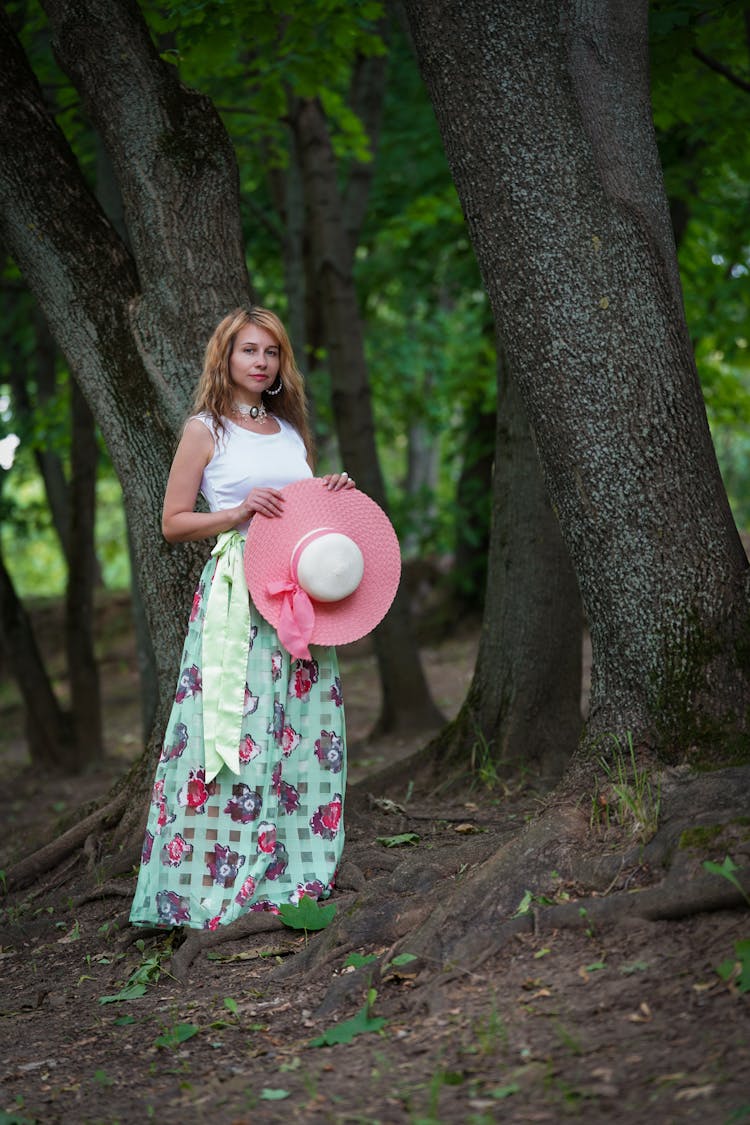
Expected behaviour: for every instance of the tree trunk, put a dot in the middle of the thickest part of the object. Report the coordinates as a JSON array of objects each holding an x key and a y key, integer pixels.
[
  {"x": 566, "y": 208},
  {"x": 406, "y": 698},
  {"x": 83, "y": 673},
  {"x": 50, "y": 464},
  {"x": 178, "y": 179},
  {"x": 47, "y": 725},
  {"x": 56, "y": 231},
  {"x": 523, "y": 710},
  {"x": 473, "y": 504}
]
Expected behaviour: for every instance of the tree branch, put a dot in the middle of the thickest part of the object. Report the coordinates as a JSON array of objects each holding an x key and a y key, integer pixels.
[{"x": 720, "y": 68}]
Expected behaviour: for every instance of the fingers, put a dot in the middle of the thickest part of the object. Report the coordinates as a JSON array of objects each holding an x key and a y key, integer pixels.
[
  {"x": 266, "y": 501},
  {"x": 336, "y": 481}
]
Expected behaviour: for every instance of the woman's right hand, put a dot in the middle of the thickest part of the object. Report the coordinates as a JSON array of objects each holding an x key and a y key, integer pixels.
[{"x": 266, "y": 501}]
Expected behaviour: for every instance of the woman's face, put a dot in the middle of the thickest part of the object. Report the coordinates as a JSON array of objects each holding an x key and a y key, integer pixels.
[{"x": 254, "y": 363}]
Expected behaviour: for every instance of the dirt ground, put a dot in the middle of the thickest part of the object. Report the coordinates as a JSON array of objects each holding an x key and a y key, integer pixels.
[{"x": 627, "y": 1024}]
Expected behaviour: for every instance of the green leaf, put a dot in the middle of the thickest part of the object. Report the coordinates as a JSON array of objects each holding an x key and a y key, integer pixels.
[
  {"x": 727, "y": 870},
  {"x": 124, "y": 1021},
  {"x": 231, "y": 1005},
  {"x": 504, "y": 1091},
  {"x": 403, "y": 958},
  {"x": 129, "y": 992},
  {"x": 524, "y": 905},
  {"x": 737, "y": 968},
  {"x": 347, "y": 1030},
  {"x": 174, "y": 1036},
  {"x": 634, "y": 967},
  {"x": 398, "y": 841},
  {"x": 269, "y": 1094},
  {"x": 595, "y": 966},
  {"x": 307, "y": 915},
  {"x": 357, "y": 960}
]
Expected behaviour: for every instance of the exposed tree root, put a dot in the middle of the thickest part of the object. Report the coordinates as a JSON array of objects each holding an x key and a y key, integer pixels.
[
  {"x": 29, "y": 869},
  {"x": 198, "y": 941},
  {"x": 450, "y": 916},
  {"x": 109, "y": 890}
]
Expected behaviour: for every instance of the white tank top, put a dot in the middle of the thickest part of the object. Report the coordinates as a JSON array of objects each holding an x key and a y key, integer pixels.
[{"x": 244, "y": 459}]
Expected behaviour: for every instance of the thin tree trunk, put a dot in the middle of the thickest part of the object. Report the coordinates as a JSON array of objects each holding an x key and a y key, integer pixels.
[
  {"x": 83, "y": 673},
  {"x": 406, "y": 697},
  {"x": 47, "y": 725}
]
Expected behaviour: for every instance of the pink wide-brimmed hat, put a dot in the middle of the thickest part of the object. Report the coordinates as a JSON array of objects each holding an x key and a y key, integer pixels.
[{"x": 326, "y": 571}]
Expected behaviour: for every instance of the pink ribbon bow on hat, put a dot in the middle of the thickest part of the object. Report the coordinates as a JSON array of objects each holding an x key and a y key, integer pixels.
[{"x": 296, "y": 620}]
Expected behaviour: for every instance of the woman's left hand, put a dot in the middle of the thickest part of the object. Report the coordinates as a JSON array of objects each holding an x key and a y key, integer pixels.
[{"x": 337, "y": 481}]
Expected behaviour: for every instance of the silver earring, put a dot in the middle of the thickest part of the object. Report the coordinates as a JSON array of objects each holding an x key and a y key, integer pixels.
[{"x": 278, "y": 389}]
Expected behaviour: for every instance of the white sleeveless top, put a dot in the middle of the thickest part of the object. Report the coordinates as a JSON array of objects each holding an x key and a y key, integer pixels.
[{"x": 244, "y": 459}]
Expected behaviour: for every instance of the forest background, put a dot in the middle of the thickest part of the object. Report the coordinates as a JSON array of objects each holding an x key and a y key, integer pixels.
[
  {"x": 428, "y": 330},
  {"x": 309, "y": 173}
]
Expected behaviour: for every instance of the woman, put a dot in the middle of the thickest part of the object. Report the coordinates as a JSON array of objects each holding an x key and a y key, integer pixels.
[{"x": 229, "y": 828}]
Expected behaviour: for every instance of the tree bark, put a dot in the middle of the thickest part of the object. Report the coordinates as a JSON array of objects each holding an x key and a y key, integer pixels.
[
  {"x": 178, "y": 178},
  {"x": 83, "y": 672},
  {"x": 523, "y": 709},
  {"x": 47, "y": 725},
  {"x": 549, "y": 137},
  {"x": 406, "y": 698},
  {"x": 132, "y": 332}
]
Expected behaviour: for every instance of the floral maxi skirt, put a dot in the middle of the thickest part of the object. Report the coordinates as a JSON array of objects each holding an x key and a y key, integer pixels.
[{"x": 274, "y": 831}]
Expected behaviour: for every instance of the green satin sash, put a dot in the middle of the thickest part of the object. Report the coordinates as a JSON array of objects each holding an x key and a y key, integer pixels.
[{"x": 226, "y": 637}]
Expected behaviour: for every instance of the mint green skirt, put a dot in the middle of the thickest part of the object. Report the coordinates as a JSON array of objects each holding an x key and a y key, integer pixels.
[{"x": 272, "y": 832}]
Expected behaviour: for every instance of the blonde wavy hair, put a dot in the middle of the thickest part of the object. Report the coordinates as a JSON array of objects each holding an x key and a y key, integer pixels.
[{"x": 214, "y": 393}]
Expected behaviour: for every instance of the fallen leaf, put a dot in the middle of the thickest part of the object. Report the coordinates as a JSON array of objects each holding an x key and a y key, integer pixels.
[{"x": 690, "y": 1093}]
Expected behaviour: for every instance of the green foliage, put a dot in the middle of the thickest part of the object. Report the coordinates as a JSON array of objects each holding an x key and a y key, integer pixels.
[
  {"x": 631, "y": 801},
  {"x": 358, "y": 960},
  {"x": 149, "y": 971},
  {"x": 361, "y": 1024},
  {"x": 399, "y": 841},
  {"x": 176, "y": 1035},
  {"x": 737, "y": 969},
  {"x": 727, "y": 871},
  {"x": 702, "y": 121},
  {"x": 306, "y": 915}
]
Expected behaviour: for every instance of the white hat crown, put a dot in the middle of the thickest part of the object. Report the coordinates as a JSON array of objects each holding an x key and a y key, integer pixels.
[{"x": 329, "y": 565}]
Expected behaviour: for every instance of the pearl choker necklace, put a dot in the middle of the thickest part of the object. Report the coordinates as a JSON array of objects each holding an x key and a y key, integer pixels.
[{"x": 257, "y": 413}]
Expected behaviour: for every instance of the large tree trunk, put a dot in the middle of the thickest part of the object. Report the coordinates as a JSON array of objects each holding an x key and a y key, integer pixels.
[
  {"x": 406, "y": 698},
  {"x": 133, "y": 328},
  {"x": 549, "y": 136}
]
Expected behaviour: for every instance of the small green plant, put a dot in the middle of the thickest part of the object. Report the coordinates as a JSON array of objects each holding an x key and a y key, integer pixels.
[
  {"x": 481, "y": 762},
  {"x": 727, "y": 871},
  {"x": 490, "y": 1032},
  {"x": 632, "y": 802},
  {"x": 360, "y": 1024},
  {"x": 737, "y": 969},
  {"x": 306, "y": 915},
  {"x": 176, "y": 1035},
  {"x": 584, "y": 914},
  {"x": 399, "y": 841},
  {"x": 149, "y": 971}
]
